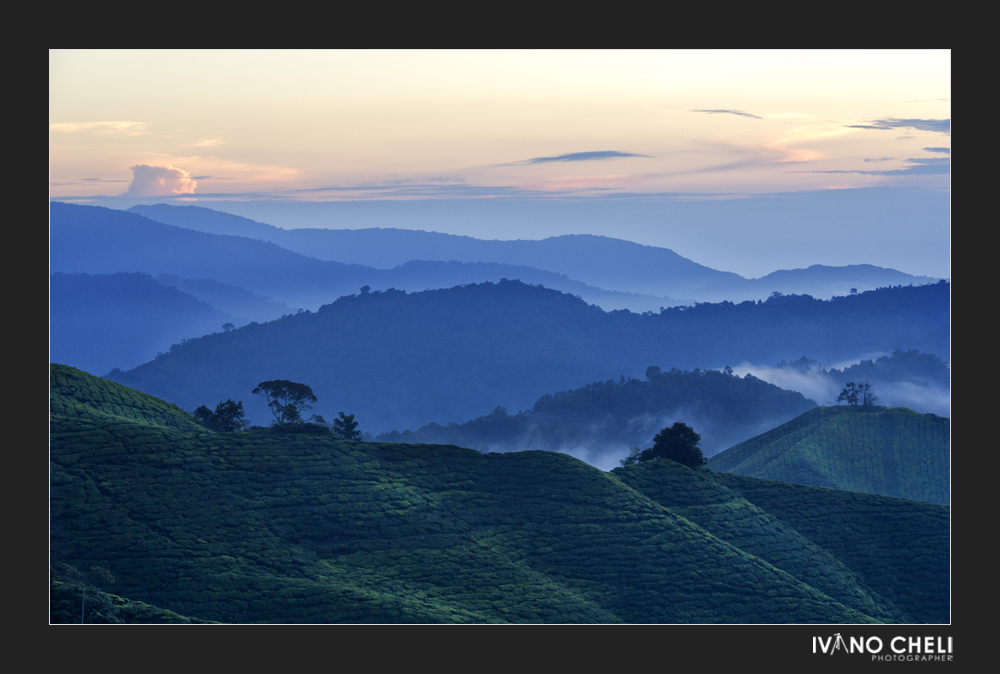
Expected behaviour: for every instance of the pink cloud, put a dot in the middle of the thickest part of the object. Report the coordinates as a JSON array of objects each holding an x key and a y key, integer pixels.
[{"x": 158, "y": 181}]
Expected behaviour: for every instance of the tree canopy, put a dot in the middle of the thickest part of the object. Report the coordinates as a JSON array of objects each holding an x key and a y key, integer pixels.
[
  {"x": 858, "y": 394},
  {"x": 678, "y": 443},
  {"x": 287, "y": 399},
  {"x": 346, "y": 427},
  {"x": 227, "y": 417}
]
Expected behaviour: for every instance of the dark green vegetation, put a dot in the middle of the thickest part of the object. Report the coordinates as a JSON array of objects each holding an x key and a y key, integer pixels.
[
  {"x": 625, "y": 413},
  {"x": 401, "y": 360},
  {"x": 226, "y": 418},
  {"x": 260, "y": 526},
  {"x": 77, "y": 598},
  {"x": 678, "y": 443},
  {"x": 888, "y": 451}
]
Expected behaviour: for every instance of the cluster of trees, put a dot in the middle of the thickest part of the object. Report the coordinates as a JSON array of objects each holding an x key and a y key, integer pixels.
[
  {"x": 678, "y": 443},
  {"x": 858, "y": 394},
  {"x": 286, "y": 399},
  {"x": 227, "y": 417}
]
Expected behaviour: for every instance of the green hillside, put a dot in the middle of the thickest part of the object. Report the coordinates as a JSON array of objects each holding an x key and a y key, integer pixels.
[
  {"x": 887, "y": 451},
  {"x": 262, "y": 527}
]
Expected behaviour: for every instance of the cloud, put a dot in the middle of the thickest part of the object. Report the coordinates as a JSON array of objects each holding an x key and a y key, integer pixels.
[
  {"x": 936, "y": 125},
  {"x": 207, "y": 142},
  {"x": 878, "y": 160},
  {"x": 154, "y": 181},
  {"x": 579, "y": 156},
  {"x": 101, "y": 128},
  {"x": 942, "y": 150},
  {"x": 922, "y": 166},
  {"x": 729, "y": 112}
]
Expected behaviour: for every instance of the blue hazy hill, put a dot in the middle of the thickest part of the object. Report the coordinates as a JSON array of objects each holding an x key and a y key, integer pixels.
[
  {"x": 600, "y": 261},
  {"x": 88, "y": 239}
]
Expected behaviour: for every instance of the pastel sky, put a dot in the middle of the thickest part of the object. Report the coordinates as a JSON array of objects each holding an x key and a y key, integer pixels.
[
  {"x": 377, "y": 124},
  {"x": 267, "y": 133}
]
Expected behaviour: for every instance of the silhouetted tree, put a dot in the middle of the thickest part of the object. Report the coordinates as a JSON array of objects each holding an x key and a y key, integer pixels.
[
  {"x": 286, "y": 399},
  {"x": 203, "y": 415},
  {"x": 346, "y": 427},
  {"x": 226, "y": 327},
  {"x": 858, "y": 394},
  {"x": 227, "y": 417},
  {"x": 633, "y": 456},
  {"x": 678, "y": 443}
]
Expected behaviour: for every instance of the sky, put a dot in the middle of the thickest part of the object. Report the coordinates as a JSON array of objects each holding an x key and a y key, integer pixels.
[{"x": 667, "y": 148}]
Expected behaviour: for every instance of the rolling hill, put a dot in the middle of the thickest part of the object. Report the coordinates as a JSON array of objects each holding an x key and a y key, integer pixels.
[
  {"x": 267, "y": 527},
  {"x": 600, "y": 421},
  {"x": 887, "y": 451}
]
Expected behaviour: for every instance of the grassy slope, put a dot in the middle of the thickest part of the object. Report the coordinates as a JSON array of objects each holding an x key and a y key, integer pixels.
[
  {"x": 890, "y": 451},
  {"x": 257, "y": 527}
]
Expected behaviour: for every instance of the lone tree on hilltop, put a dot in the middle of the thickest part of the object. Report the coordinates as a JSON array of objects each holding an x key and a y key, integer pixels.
[
  {"x": 346, "y": 427},
  {"x": 286, "y": 399},
  {"x": 678, "y": 443},
  {"x": 858, "y": 394}
]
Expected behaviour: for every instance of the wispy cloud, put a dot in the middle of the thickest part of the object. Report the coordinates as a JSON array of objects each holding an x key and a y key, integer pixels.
[
  {"x": 936, "y": 125},
  {"x": 576, "y": 183},
  {"x": 579, "y": 156},
  {"x": 870, "y": 161},
  {"x": 150, "y": 181},
  {"x": 942, "y": 150},
  {"x": 729, "y": 112},
  {"x": 921, "y": 166},
  {"x": 100, "y": 128},
  {"x": 207, "y": 142}
]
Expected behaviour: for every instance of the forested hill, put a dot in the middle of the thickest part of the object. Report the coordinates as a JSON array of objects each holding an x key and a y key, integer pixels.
[
  {"x": 606, "y": 418},
  {"x": 400, "y": 360},
  {"x": 257, "y": 526},
  {"x": 888, "y": 451}
]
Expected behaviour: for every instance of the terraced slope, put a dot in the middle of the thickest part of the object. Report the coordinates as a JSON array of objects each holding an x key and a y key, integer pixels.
[
  {"x": 887, "y": 451},
  {"x": 79, "y": 396},
  {"x": 246, "y": 527},
  {"x": 900, "y": 547}
]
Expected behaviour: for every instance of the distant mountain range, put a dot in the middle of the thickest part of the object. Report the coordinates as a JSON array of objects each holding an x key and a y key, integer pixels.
[
  {"x": 597, "y": 261},
  {"x": 887, "y": 451},
  {"x": 401, "y": 360},
  {"x": 95, "y": 240},
  {"x": 260, "y": 526}
]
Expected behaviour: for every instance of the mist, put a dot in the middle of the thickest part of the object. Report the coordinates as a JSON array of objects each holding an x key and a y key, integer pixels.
[{"x": 823, "y": 383}]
